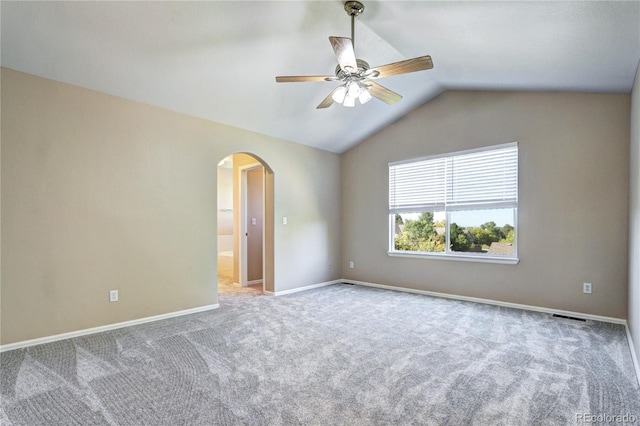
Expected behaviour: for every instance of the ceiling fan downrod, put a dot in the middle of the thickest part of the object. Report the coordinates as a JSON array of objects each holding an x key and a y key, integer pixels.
[{"x": 353, "y": 9}]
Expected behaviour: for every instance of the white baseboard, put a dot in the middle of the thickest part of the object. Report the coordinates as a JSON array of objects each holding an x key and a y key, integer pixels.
[
  {"x": 492, "y": 302},
  {"x": 634, "y": 355},
  {"x": 78, "y": 333},
  {"x": 252, "y": 282},
  {"x": 307, "y": 287}
]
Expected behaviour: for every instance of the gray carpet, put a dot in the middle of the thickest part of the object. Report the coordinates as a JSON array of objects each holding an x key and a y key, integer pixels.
[
  {"x": 226, "y": 287},
  {"x": 335, "y": 355}
]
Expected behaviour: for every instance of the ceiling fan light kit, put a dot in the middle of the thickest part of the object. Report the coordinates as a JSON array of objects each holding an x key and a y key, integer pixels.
[
  {"x": 347, "y": 93},
  {"x": 355, "y": 74}
]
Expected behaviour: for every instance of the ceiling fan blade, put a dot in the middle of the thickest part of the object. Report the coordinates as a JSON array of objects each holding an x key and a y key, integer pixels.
[
  {"x": 410, "y": 65},
  {"x": 382, "y": 93},
  {"x": 343, "y": 48},
  {"x": 328, "y": 101},
  {"x": 303, "y": 78}
]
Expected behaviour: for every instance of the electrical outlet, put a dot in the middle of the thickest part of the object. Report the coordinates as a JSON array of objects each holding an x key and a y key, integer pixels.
[
  {"x": 586, "y": 288},
  {"x": 351, "y": 264},
  {"x": 113, "y": 296}
]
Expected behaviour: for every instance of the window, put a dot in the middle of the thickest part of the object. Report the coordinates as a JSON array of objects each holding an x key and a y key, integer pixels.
[{"x": 461, "y": 205}]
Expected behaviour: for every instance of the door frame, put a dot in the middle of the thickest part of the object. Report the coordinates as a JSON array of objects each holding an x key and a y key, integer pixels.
[{"x": 243, "y": 264}]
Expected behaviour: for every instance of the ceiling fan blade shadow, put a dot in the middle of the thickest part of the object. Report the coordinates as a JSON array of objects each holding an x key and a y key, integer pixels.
[
  {"x": 420, "y": 63},
  {"x": 328, "y": 101},
  {"x": 304, "y": 78},
  {"x": 385, "y": 95},
  {"x": 343, "y": 48}
]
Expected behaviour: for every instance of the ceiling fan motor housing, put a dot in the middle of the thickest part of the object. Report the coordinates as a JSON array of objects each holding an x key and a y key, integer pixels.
[{"x": 362, "y": 67}]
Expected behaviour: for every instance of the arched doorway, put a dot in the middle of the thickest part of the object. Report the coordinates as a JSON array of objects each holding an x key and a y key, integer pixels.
[{"x": 245, "y": 226}]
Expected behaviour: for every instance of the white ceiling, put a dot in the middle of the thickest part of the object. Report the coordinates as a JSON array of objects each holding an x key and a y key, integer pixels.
[{"x": 218, "y": 60}]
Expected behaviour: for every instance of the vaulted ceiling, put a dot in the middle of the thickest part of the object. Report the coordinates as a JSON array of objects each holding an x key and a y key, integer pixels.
[{"x": 218, "y": 60}]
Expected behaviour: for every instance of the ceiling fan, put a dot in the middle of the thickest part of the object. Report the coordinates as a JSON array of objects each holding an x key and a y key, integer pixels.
[{"x": 355, "y": 74}]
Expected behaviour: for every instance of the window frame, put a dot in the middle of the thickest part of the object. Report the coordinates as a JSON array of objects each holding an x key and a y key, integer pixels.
[{"x": 448, "y": 254}]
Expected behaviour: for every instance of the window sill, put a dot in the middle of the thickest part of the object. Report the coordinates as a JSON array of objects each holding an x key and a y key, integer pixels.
[{"x": 457, "y": 257}]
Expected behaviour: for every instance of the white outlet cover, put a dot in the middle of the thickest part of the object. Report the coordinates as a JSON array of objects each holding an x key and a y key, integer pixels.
[{"x": 113, "y": 296}]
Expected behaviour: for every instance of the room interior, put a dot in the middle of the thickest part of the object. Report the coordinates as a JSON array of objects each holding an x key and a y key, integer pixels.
[{"x": 113, "y": 127}]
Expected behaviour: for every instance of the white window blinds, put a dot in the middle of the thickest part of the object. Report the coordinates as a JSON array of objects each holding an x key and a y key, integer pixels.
[
  {"x": 478, "y": 179},
  {"x": 417, "y": 186}
]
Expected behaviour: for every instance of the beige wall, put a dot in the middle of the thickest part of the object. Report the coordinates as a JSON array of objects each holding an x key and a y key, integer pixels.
[
  {"x": 102, "y": 193},
  {"x": 573, "y": 193},
  {"x": 634, "y": 217}
]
